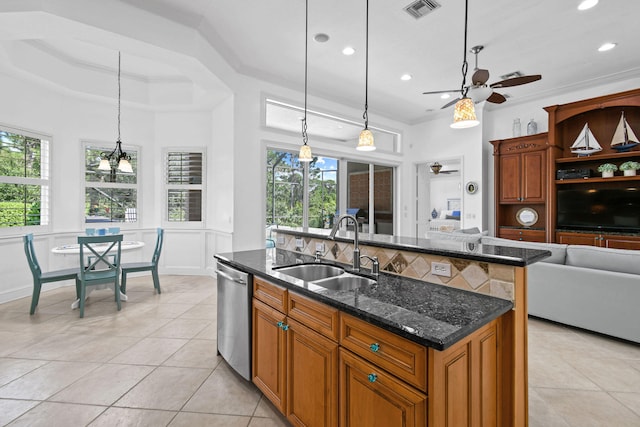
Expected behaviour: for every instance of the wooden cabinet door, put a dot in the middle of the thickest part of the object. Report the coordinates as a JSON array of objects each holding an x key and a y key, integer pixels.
[
  {"x": 269, "y": 353},
  {"x": 371, "y": 397},
  {"x": 621, "y": 242},
  {"x": 463, "y": 382},
  {"x": 510, "y": 178},
  {"x": 533, "y": 177},
  {"x": 578, "y": 238},
  {"x": 312, "y": 378},
  {"x": 521, "y": 235}
]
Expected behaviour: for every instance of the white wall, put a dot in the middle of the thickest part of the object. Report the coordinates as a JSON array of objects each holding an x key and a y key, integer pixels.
[{"x": 429, "y": 140}]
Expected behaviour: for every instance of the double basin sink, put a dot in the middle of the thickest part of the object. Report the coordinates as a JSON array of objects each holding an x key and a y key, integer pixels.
[{"x": 327, "y": 276}]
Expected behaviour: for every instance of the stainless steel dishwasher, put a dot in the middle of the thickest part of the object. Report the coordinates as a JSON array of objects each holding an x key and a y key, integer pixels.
[{"x": 234, "y": 318}]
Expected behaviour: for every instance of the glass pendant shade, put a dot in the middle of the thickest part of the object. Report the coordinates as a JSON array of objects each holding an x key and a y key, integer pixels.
[
  {"x": 125, "y": 166},
  {"x": 305, "y": 153},
  {"x": 464, "y": 114},
  {"x": 104, "y": 165},
  {"x": 365, "y": 141}
]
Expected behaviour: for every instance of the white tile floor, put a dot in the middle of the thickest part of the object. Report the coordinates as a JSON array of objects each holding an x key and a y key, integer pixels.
[{"x": 154, "y": 364}]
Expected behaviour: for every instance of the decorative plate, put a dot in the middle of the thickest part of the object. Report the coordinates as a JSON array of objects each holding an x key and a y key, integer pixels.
[
  {"x": 471, "y": 187},
  {"x": 527, "y": 217}
]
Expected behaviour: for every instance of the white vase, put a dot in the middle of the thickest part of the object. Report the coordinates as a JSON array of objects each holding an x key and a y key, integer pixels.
[
  {"x": 607, "y": 174},
  {"x": 630, "y": 172}
]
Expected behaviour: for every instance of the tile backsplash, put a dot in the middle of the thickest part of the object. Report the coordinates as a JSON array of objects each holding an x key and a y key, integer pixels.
[{"x": 492, "y": 279}]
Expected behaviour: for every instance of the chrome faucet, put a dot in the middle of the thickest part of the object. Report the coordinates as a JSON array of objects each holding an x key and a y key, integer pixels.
[{"x": 356, "y": 247}]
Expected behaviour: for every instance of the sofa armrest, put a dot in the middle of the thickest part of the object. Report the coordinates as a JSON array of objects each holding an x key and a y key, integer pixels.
[{"x": 597, "y": 300}]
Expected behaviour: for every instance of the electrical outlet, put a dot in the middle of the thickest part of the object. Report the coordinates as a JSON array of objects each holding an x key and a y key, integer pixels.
[
  {"x": 299, "y": 243},
  {"x": 441, "y": 269},
  {"x": 320, "y": 246}
]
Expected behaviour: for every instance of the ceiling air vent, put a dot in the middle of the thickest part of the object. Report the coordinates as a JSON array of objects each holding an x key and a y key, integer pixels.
[{"x": 420, "y": 8}]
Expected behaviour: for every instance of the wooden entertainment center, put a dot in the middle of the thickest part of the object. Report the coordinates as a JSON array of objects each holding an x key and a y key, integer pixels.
[{"x": 525, "y": 171}]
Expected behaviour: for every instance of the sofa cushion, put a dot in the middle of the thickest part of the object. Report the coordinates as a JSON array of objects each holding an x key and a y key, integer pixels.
[
  {"x": 558, "y": 251},
  {"x": 620, "y": 260},
  {"x": 459, "y": 237}
]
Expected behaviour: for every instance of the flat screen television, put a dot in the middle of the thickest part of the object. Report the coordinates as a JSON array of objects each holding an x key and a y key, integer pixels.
[{"x": 599, "y": 209}]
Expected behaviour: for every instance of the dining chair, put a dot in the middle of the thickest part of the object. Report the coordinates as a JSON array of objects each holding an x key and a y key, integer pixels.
[
  {"x": 132, "y": 267},
  {"x": 38, "y": 276},
  {"x": 104, "y": 267}
]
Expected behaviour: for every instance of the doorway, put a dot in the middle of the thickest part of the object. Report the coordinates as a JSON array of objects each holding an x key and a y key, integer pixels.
[{"x": 439, "y": 201}]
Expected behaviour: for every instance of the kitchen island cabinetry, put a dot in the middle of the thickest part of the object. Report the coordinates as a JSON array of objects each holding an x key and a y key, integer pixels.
[{"x": 295, "y": 366}]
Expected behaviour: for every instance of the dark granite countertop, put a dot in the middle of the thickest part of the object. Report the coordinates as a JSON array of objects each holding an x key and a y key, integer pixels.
[
  {"x": 429, "y": 314},
  {"x": 518, "y": 257}
]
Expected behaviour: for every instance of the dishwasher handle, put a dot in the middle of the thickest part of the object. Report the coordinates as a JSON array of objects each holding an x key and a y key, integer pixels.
[{"x": 228, "y": 277}]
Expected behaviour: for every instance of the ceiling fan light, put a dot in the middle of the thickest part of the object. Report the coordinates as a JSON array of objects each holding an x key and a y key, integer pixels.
[
  {"x": 305, "y": 153},
  {"x": 479, "y": 94},
  {"x": 464, "y": 114},
  {"x": 365, "y": 141}
]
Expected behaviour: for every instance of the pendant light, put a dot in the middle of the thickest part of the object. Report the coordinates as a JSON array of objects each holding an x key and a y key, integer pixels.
[
  {"x": 305, "y": 150},
  {"x": 365, "y": 141},
  {"x": 117, "y": 158},
  {"x": 464, "y": 113}
]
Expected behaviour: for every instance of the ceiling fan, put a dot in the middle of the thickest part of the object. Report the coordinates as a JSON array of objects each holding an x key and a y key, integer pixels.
[{"x": 479, "y": 90}]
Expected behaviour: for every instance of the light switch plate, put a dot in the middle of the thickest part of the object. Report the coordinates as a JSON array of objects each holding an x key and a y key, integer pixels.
[{"x": 441, "y": 269}]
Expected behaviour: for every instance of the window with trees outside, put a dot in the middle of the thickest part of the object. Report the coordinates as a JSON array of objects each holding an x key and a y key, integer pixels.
[
  {"x": 287, "y": 196},
  {"x": 24, "y": 179},
  {"x": 184, "y": 185},
  {"x": 112, "y": 195}
]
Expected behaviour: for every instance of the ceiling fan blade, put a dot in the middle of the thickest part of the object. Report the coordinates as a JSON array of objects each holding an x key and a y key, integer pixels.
[
  {"x": 480, "y": 77},
  {"x": 450, "y": 103},
  {"x": 441, "y": 91},
  {"x": 516, "y": 81},
  {"x": 496, "y": 98}
]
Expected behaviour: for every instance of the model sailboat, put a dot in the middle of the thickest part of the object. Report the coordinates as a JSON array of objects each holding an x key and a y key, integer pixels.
[
  {"x": 624, "y": 139},
  {"x": 585, "y": 144}
]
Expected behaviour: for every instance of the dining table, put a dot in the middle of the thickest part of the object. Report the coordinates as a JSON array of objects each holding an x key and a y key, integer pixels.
[{"x": 74, "y": 249}]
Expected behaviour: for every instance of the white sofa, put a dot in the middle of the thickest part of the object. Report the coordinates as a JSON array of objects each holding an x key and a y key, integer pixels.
[{"x": 593, "y": 288}]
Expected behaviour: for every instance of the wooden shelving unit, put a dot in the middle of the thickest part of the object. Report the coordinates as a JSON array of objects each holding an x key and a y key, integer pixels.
[{"x": 565, "y": 123}]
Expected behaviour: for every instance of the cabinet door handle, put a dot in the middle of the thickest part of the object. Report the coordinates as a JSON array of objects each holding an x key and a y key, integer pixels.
[
  {"x": 375, "y": 347},
  {"x": 372, "y": 378},
  {"x": 282, "y": 326}
]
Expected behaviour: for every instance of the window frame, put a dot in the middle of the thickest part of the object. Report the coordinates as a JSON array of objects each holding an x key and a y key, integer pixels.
[
  {"x": 166, "y": 187},
  {"x": 108, "y": 147},
  {"x": 44, "y": 181}
]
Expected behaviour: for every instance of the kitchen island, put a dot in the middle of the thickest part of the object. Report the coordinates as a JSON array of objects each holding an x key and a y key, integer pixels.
[{"x": 399, "y": 350}]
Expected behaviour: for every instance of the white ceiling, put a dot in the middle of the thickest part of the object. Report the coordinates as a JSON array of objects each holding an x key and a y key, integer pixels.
[{"x": 265, "y": 39}]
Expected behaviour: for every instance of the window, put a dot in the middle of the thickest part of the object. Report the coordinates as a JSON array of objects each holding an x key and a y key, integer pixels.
[
  {"x": 24, "y": 179},
  {"x": 110, "y": 196},
  {"x": 287, "y": 196},
  {"x": 184, "y": 185}
]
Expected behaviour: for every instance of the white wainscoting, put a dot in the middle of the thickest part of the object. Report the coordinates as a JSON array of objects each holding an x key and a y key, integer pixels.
[{"x": 188, "y": 252}]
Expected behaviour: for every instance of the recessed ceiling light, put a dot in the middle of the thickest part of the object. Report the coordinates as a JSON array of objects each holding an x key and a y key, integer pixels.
[
  {"x": 348, "y": 51},
  {"x": 607, "y": 46},
  {"x": 445, "y": 96},
  {"x": 406, "y": 77},
  {"x": 321, "y": 38},
  {"x": 587, "y": 4}
]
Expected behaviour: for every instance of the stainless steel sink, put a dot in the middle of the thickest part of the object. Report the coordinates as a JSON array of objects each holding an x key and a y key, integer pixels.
[
  {"x": 345, "y": 282},
  {"x": 311, "y": 272}
]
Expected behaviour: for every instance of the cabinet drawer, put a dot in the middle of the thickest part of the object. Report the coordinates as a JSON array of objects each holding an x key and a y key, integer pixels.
[
  {"x": 522, "y": 235},
  {"x": 273, "y": 295},
  {"x": 398, "y": 356},
  {"x": 370, "y": 396},
  {"x": 317, "y": 316}
]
